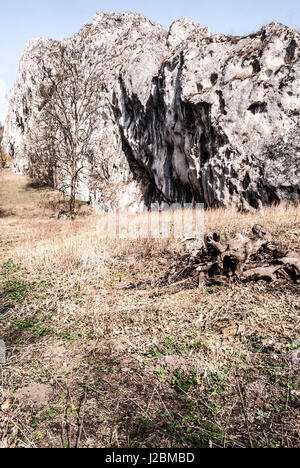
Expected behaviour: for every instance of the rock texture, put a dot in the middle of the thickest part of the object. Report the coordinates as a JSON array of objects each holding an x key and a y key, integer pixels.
[{"x": 184, "y": 115}]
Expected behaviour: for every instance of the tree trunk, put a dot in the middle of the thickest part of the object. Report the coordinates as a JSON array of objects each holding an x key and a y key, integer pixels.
[
  {"x": 73, "y": 183},
  {"x": 73, "y": 196}
]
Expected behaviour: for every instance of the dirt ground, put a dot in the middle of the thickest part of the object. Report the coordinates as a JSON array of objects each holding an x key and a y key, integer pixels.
[{"x": 102, "y": 352}]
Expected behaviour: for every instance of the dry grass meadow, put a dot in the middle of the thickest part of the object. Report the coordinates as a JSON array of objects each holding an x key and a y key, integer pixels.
[{"x": 102, "y": 353}]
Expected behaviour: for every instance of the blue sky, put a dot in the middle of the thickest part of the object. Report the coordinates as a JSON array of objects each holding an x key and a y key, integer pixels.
[{"x": 22, "y": 20}]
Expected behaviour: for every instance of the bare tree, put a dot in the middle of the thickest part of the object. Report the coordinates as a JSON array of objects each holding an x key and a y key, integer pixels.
[{"x": 68, "y": 105}]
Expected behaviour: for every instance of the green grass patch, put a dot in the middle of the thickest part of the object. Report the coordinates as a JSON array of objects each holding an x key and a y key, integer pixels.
[
  {"x": 171, "y": 345},
  {"x": 35, "y": 325},
  {"x": 191, "y": 430},
  {"x": 14, "y": 289},
  {"x": 8, "y": 268},
  {"x": 185, "y": 382}
]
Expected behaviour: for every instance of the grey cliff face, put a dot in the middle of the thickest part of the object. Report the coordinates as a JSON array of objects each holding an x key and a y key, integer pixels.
[{"x": 182, "y": 116}]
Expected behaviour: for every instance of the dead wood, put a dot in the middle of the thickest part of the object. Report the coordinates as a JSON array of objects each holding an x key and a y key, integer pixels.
[
  {"x": 292, "y": 260},
  {"x": 265, "y": 273}
]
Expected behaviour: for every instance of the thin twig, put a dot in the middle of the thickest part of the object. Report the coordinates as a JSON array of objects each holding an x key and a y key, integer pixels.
[{"x": 245, "y": 413}]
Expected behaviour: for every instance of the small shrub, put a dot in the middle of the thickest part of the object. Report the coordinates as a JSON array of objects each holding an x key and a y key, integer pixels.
[{"x": 5, "y": 160}]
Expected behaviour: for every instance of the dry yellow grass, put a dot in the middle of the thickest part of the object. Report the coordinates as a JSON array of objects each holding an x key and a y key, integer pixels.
[
  {"x": 29, "y": 215},
  {"x": 154, "y": 365}
]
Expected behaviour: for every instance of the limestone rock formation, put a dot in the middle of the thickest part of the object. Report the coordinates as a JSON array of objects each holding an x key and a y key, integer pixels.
[{"x": 183, "y": 115}]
